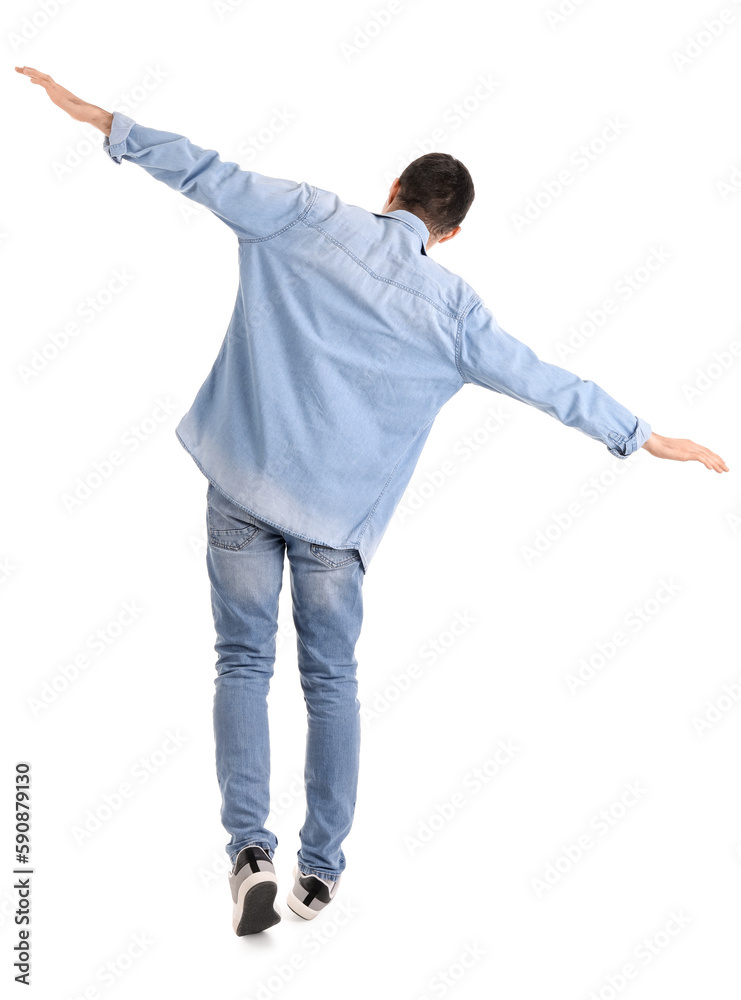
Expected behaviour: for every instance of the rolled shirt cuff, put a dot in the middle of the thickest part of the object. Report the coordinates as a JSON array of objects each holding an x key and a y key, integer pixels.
[
  {"x": 624, "y": 446},
  {"x": 115, "y": 143}
]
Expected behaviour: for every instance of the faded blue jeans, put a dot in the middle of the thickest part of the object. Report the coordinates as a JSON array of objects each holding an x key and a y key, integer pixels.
[{"x": 245, "y": 558}]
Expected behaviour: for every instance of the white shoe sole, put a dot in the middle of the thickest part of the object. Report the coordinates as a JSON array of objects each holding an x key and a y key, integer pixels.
[
  {"x": 295, "y": 904},
  {"x": 299, "y": 909}
]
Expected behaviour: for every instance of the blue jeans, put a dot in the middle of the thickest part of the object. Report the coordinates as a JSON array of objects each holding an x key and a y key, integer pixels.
[{"x": 245, "y": 563}]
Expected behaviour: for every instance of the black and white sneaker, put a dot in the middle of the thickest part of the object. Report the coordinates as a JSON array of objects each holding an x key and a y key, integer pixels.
[
  {"x": 310, "y": 893},
  {"x": 254, "y": 886}
]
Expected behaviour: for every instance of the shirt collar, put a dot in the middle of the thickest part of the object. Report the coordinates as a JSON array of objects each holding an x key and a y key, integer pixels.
[{"x": 410, "y": 220}]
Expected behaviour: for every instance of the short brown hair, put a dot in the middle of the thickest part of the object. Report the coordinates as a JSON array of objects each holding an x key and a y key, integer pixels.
[{"x": 440, "y": 187}]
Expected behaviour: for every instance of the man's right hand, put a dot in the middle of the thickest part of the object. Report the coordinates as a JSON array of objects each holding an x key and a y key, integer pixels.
[
  {"x": 76, "y": 108},
  {"x": 684, "y": 450}
]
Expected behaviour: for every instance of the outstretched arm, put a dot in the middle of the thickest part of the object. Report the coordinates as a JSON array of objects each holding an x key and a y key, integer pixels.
[
  {"x": 252, "y": 205},
  {"x": 491, "y": 357}
]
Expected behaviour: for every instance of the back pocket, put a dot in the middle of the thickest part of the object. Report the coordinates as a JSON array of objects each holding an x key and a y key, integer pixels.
[
  {"x": 229, "y": 527},
  {"x": 334, "y": 557}
]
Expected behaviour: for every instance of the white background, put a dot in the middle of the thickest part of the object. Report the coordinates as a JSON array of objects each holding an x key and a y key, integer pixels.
[{"x": 420, "y": 891}]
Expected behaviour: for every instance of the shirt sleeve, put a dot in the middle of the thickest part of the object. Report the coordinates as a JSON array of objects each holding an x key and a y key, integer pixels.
[
  {"x": 252, "y": 205},
  {"x": 490, "y": 357}
]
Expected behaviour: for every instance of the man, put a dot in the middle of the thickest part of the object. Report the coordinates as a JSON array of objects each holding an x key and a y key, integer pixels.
[{"x": 345, "y": 341}]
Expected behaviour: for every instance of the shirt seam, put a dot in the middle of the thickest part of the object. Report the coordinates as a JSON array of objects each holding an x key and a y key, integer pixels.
[
  {"x": 373, "y": 274},
  {"x": 459, "y": 335},
  {"x": 263, "y": 239}
]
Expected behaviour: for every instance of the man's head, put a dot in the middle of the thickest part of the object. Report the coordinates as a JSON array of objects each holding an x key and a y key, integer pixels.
[{"x": 438, "y": 189}]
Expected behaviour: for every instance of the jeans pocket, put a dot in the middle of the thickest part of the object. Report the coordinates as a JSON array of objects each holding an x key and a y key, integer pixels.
[
  {"x": 229, "y": 527},
  {"x": 334, "y": 557}
]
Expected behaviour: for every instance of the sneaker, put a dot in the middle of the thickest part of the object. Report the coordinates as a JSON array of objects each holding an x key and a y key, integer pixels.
[
  {"x": 254, "y": 886},
  {"x": 310, "y": 893}
]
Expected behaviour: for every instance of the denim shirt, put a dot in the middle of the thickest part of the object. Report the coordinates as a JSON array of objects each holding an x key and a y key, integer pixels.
[{"x": 345, "y": 341}]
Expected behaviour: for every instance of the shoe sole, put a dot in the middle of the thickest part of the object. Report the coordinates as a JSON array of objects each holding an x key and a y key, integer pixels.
[
  {"x": 299, "y": 909},
  {"x": 254, "y": 910}
]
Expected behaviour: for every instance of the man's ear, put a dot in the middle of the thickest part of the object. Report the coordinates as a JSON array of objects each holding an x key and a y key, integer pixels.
[
  {"x": 451, "y": 234},
  {"x": 393, "y": 190}
]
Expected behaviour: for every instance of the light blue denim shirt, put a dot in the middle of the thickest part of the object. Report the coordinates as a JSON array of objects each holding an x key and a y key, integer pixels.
[{"x": 345, "y": 341}]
